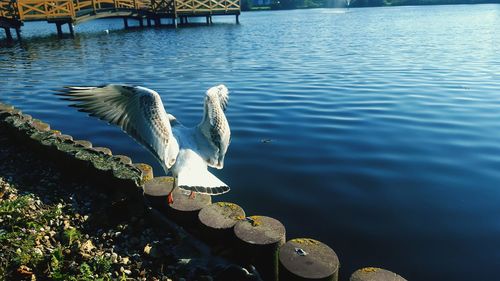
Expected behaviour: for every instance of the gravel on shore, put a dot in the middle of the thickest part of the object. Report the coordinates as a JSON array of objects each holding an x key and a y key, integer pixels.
[{"x": 56, "y": 228}]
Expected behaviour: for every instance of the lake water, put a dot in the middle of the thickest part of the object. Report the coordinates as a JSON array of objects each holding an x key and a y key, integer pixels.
[{"x": 374, "y": 130}]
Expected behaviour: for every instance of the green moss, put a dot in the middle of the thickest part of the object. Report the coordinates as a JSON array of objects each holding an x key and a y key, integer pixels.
[{"x": 305, "y": 241}]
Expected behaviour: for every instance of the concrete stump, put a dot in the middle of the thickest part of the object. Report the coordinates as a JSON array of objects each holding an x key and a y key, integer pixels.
[
  {"x": 217, "y": 221},
  {"x": 83, "y": 143},
  {"x": 40, "y": 126},
  {"x": 259, "y": 240},
  {"x": 184, "y": 210},
  {"x": 103, "y": 150},
  {"x": 123, "y": 159},
  {"x": 147, "y": 171},
  {"x": 307, "y": 259},
  {"x": 375, "y": 274},
  {"x": 156, "y": 192}
]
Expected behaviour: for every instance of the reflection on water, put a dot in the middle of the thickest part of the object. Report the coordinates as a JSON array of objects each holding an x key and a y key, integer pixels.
[{"x": 383, "y": 122}]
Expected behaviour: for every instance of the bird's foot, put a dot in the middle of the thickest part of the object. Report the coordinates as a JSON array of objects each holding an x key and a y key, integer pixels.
[
  {"x": 192, "y": 195},
  {"x": 170, "y": 199}
]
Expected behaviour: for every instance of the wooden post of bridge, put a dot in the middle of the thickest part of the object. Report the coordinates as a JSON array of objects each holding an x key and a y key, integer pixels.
[
  {"x": 71, "y": 30},
  {"x": 125, "y": 22},
  {"x": 18, "y": 33},
  {"x": 59, "y": 29},
  {"x": 8, "y": 34}
]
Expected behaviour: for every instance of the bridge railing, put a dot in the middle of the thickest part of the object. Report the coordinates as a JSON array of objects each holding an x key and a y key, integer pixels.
[
  {"x": 96, "y": 5},
  {"x": 8, "y": 9},
  {"x": 45, "y": 9},
  {"x": 52, "y": 9},
  {"x": 204, "y": 6}
]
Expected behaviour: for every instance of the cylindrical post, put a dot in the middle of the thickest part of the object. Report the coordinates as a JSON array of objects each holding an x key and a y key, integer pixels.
[
  {"x": 218, "y": 219},
  {"x": 123, "y": 159},
  {"x": 260, "y": 238},
  {"x": 18, "y": 33},
  {"x": 71, "y": 30},
  {"x": 237, "y": 19},
  {"x": 8, "y": 34},
  {"x": 147, "y": 171},
  {"x": 156, "y": 192},
  {"x": 208, "y": 21},
  {"x": 59, "y": 30},
  {"x": 125, "y": 22},
  {"x": 307, "y": 259},
  {"x": 103, "y": 150},
  {"x": 375, "y": 274},
  {"x": 186, "y": 206}
]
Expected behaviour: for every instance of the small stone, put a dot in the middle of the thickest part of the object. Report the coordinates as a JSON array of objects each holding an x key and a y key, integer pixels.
[
  {"x": 114, "y": 258},
  {"x": 147, "y": 249},
  {"x": 125, "y": 260},
  {"x": 38, "y": 252}
]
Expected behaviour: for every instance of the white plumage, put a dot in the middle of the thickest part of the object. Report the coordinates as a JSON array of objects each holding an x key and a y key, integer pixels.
[{"x": 186, "y": 152}]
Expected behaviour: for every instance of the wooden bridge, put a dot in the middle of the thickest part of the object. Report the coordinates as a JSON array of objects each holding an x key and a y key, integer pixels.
[{"x": 14, "y": 12}]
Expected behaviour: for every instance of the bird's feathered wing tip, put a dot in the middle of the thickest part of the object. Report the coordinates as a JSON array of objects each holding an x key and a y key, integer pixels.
[
  {"x": 201, "y": 182},
  {"x": 221, "y": 92},
  {"x": 206, "y": 190}
]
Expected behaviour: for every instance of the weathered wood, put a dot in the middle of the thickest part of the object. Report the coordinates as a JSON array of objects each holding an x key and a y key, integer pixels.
[
  {"x": 146, "y": 170},
  {"x": 59, "y": 29},
  {"x": 185, "y": 207},
  {"x": 375, "y": 274},
  {"x": 18, "y": 33},
  {"x": 156, "y": 192},
  {"x": 71, "y": 30},
  {"x": 123, "y": 159},
  {"x": 306, "y": 259},
  {"x": 260, "y": 238},
  {"x": 83, "y": 143},
  {"x": 218, "y": 219},
  {"x": 8, "y": 34},
  {"x": 103, "y": 150}
]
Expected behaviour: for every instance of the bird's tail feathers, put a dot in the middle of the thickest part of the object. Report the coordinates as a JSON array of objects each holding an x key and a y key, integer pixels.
[{"x": 205, "y": 183}]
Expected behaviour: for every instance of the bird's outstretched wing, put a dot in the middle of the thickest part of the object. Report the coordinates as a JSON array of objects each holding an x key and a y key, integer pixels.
[
  {"x": 137, "y": 110},
  {"x": 214, "y": 126}
]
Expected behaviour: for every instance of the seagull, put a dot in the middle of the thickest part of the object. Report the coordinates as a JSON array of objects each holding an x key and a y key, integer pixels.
[{"x": 185, "y": 152}]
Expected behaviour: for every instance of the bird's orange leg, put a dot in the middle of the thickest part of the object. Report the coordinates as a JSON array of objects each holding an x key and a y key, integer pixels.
[
  {"x": 170, "y": 198},
  {"x": 192, "y": 195}
]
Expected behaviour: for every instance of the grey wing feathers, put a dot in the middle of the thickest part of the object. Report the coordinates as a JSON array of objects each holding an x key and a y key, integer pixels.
[
  {"x": 137, "y": 110},
  {"x": 214, "y": 126}
]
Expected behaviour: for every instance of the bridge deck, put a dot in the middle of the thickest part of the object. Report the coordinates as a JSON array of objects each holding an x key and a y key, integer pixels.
[{"x": 14, "y": 12}]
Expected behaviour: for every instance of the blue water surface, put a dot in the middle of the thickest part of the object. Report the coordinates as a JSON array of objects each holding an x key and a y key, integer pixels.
[{"x": 374, "y": 130}]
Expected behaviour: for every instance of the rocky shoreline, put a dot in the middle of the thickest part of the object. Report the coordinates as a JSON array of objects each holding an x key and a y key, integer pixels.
[{"x": 57, "y": 228}]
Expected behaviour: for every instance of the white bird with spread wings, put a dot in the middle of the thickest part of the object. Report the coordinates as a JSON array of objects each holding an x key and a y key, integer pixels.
[{"x": 186, "y": 152}]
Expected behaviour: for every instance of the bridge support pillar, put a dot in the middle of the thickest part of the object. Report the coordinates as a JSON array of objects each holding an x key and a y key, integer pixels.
[
  {"x": 141, "y": 22},
  {"x": 174, "y": 21},
  {"x": 208, "y": 20},
  {"x": 237, "y": 19},
  {"x": 59, "y": 29},
  {"x": 8, "y": 34},
  {"x": 18, "y": 33},
  {"x": 59, "y": 25},
  {"x": 125, "y": 22},
  {"x": 71, "y": 30},
  {"x": 157, "y": 22}
]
